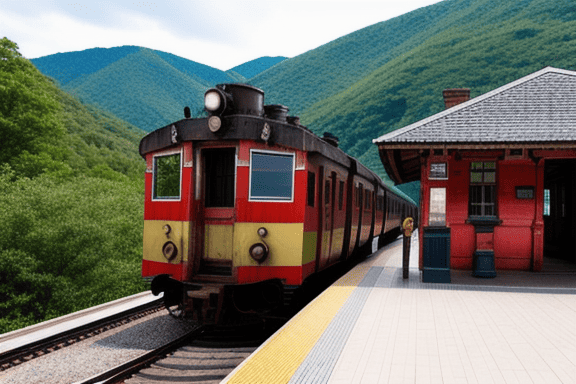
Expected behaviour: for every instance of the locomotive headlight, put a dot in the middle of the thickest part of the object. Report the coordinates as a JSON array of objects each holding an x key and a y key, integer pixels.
[
  {"x": 259, "y": 252},
  {"x": 214, "y": 101}
]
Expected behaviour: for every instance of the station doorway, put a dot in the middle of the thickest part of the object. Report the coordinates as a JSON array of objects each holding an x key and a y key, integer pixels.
[{"x": 560, "y": 215}]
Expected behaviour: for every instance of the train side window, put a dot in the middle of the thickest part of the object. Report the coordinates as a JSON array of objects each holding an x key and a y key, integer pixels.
[
  {"x": 327, "y": 192},
  {"x": 271, "y": 176},
  {"x": 367, "y": 202},
  {"x": 341, "y": 195},
  {"x": 166, "y": 185},
  {"x": 311, "y": 188},
  {"x": 359, "y": 193}
]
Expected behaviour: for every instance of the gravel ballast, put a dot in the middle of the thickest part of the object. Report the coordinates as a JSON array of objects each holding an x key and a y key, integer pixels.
[{"x": 99, "y": 353}]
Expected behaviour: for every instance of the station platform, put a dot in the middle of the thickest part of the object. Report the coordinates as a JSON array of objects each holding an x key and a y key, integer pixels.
[{"x": 373, "y": 326}]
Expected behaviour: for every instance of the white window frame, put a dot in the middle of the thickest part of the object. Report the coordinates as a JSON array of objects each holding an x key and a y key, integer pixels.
[
  {"x": 272, "y": 199},
  {"x": 153, "y": 189}
]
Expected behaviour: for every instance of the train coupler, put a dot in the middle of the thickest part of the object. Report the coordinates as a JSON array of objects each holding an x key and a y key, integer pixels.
[{"x": 206, "y": 303}]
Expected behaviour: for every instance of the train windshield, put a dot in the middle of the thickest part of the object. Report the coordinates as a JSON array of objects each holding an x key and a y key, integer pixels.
[
  {"x": 271, "y": 176},
  {"x": 167, "y": 177}
]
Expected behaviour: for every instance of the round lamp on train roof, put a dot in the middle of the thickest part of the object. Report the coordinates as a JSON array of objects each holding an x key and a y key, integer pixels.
[{"x": 214, "y": 101}]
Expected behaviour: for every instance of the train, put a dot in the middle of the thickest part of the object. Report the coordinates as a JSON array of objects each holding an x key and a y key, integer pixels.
[{"x": 244, "y": 205}]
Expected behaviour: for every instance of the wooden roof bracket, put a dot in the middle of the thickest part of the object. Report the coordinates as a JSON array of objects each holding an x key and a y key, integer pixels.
[
  {"x": 392, "y": 162},
  {"x": 535, "y": 159}
]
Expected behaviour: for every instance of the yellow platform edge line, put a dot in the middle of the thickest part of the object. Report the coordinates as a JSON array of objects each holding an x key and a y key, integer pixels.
[{"x": 279, "y": 358}]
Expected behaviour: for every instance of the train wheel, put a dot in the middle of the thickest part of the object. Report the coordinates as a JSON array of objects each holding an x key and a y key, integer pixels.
[{"x": 176, "y": 310}]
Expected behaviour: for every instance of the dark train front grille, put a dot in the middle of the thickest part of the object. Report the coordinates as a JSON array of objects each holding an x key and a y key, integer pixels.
[{"x": 217, "y": 268}]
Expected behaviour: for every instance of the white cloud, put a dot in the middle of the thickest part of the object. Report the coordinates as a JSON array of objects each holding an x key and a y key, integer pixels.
[{"x": 219, "y": 33}]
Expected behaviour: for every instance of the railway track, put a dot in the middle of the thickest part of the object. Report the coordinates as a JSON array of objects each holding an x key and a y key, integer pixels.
[
  {"x": 204, "y": 355},
  {"x": 148, "y": 349},
  {"x": 53, "y": 335}
]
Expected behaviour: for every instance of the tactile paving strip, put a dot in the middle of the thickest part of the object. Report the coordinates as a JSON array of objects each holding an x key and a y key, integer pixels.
[{"x": 319, "y": 363}]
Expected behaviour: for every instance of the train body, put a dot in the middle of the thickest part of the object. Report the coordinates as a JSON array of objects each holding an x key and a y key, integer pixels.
[{"x": 244, "y": 205}]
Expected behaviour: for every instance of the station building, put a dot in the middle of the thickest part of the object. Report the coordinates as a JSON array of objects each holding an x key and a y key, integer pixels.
[{"x": 497, "y": 174}]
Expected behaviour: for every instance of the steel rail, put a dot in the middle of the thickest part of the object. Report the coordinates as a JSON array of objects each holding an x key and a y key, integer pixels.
[
  {"x": 122, "y": 371},
  {"x": 37, "y": 348}
]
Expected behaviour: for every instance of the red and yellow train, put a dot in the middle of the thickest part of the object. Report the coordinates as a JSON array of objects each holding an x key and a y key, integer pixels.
[{"x": 244, "y": 205}]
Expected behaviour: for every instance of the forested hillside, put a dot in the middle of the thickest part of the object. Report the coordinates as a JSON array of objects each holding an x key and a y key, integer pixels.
[
  {"x": 71, "y": 199},
  {"x": 252, "y": 68},
  {"x": 148, "y": 88}
]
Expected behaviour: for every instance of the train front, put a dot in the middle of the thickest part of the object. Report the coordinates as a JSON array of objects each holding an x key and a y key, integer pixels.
[{"x": 223, "y": 230}]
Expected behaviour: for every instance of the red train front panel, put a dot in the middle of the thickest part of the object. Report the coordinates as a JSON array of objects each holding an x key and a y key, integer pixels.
[
  {"x": 167, "y": 212},
  {"x": 206, "y": 206}
]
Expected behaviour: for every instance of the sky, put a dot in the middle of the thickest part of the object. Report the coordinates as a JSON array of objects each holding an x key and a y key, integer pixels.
[{"x": 218, "y": 33}]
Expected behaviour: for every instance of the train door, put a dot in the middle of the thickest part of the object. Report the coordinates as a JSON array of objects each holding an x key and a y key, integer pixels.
[
  {"x": 360, "y": 208},
  {"x": 215, "y": 211},
  {"x": 329, "y": 206},
  {"x": 560, "y": 214},
  {"x": 326, "y": 215}
]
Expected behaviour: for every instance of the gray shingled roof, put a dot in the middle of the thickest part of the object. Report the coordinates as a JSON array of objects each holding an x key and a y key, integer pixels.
[{"x": 540, "y": 107}]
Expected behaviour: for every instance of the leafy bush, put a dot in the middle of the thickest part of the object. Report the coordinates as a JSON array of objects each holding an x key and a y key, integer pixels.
[{"x": 66, "y": 245}]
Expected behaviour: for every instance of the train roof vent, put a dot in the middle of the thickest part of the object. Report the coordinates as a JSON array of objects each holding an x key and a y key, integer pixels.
[
  {"x": 245, "y": 99},
  {"x": 294, "y": 120},
  {"x": 330, "y": 139},
  {"x": 276, "y": 112}
]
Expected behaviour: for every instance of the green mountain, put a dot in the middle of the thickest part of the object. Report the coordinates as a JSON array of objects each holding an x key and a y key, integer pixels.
[
  {"x": 256, "y": 66},
  {"x": 147, "y": 88},
  {"x": 142, "y": 89}
]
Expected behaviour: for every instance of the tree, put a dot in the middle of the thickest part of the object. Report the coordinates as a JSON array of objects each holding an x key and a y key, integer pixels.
[
  {"x": 29, "y": 113},
  {"x": 8, "y": 49}
]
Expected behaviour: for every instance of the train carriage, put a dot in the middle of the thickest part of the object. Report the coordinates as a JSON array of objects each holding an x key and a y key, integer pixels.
[{"x": 244, "y": 205}]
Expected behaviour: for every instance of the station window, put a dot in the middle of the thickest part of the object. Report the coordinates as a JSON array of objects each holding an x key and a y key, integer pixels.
[
  {"x": 271, "y": 176},
  {"x": 166, "y": 184},
  {"x": 482, "y": 189}
]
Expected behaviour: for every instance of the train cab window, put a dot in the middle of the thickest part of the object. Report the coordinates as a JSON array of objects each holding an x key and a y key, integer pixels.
[
  {"x": 271, "y": 176},
  {"x": 311, "y": 188},
  {"x": 220, "y": 165},
  {"x": 166, "y": 185}
]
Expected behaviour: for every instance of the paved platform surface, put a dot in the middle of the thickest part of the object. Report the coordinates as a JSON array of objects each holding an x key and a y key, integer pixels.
[{"x": 372, "y": 326}]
